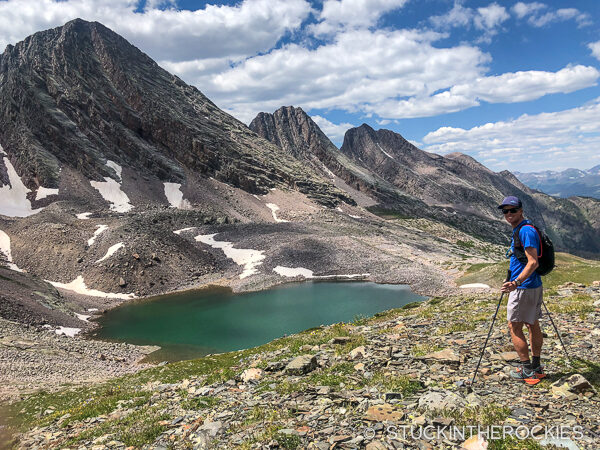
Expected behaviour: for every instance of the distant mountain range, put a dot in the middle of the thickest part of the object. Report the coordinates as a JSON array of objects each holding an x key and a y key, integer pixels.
[{"x": 566, "y": 183}]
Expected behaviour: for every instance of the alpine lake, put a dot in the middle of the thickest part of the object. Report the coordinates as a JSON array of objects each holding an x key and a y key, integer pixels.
[{"x": 215, "y": 320}]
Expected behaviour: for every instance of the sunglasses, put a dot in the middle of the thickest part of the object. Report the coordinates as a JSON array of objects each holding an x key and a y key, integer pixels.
[{"x": 511, "y": 210}]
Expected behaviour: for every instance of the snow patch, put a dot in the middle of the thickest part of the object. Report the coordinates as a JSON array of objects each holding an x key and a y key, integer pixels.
[
  {"x": 43, "y": 192},
  {"x": 241, "y": 256},
  {"x": 293, "y": 272},
  {"x": 99, "y": 230},
  {"x": 92, "y": 310},
  {"x": 5, "y": 250},
  {"x": 183, "y": 229},
  {"x": 274, "y": 208},
  {"x": 13, "y": 196},
  {"x": 339, "y": 209},
  {"x": 386, "y": 153},
  {"x": 110, "y": 190},
  {"x": 111, "y": 251},
  {"x": 355, "y": 217},
  {"x": 83, "y": 216},
  {"x": 175, "y": 196},
  {"x": 71, "y": 332},
  {"x": 475, "y": 286},
  {"x": 82, "y": 317},
  {"x": 307, "y": 273},
  {"x": 117, "y": 168},
  {"x": 78, "y": 286}
]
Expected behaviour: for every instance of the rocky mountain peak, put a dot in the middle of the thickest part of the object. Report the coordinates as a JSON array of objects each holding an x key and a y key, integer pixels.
[
  {"x": 80, "y": 95},
  {"x": 291, "y": 129}
]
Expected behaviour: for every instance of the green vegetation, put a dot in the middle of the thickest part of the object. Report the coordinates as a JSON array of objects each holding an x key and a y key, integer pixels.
[
  {"x": 456, "y": 327},
  {"x": 424, "y": 349},
  {"x": 568, "y": 268}
]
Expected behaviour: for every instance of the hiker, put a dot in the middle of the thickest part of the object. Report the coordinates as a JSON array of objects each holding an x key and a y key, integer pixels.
[{"x": 525, "y": 291}]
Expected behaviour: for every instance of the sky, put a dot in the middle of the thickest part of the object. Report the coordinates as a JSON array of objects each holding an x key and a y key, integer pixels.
[{"x": 513, "y": 84}]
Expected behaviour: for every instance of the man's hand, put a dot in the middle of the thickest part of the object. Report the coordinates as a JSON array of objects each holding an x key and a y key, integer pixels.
[{"x": 509, "y": 286}]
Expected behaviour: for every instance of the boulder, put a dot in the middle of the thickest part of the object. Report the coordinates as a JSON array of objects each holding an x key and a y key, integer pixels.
[
  {"x": 253, "y": 374},
  {"x": 301, "y": 364},
  {"x": 358, "y": 352},
  {"x": 446, "y": 356},
  {"x": 440, "y": 400}
]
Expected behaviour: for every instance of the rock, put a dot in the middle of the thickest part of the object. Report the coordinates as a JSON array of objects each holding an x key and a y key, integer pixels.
[
  {"x": 441, "y": 401},
  {"x": 475, "y": 443},
  {"x": 358, "y": 352},
  {"x": 253, "y": 374},
  {"x": 301, "y": 364},
  {"x": 446, "y": 356},
  {"x": 212, "y": 428},
  {"x": 340, "y": 340},
  {"x": 574, "y": 384},
  {"x": 380, "y": 413},
  {"x": 505, "y": 356},
  {"x": 122, "y": 282},
  {"x": 376, "y": 445}
]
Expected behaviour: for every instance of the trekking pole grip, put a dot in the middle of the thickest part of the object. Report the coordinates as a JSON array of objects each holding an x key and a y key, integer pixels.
[{"x": 508, "y": 274}]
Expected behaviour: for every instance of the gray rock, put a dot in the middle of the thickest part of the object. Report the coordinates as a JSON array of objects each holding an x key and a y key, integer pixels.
[
  {"x": 441, "y": 400},
  {"x": 301, "y": 364}
]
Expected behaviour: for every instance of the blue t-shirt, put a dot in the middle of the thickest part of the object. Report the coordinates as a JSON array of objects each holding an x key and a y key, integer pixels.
[{"x": 529, "y": 238}]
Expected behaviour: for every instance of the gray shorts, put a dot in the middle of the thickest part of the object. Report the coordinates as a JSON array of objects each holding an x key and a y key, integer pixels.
[{"x": 525, "y": 305}]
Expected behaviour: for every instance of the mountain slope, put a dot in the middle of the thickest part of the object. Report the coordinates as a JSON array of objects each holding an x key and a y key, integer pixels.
[
  {"x": 455, "y": 189},
  {"x": 77, "y": 96}
]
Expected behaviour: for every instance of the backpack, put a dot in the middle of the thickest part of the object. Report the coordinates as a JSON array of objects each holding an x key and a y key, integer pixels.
[{"x": 546, "y": 256}]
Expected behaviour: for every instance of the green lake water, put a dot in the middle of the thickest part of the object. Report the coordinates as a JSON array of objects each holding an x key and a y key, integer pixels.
[{"x": 197, "y": 323}]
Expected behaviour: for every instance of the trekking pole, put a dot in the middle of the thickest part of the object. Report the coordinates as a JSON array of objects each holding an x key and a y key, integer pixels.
[
  {"x": 557, "y": 333},
  {"x": 490, "y": 332}
]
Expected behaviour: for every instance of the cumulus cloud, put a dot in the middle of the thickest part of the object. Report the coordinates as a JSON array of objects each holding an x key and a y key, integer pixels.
[
  {"x": 335, "y": 132},
  {"x": 237, "y": 31},
  {"x": 458, "y": 16},
  {"x": 490, "y": 17},
  {"x": 539, "y": 14},
  {"x": 595, "y": 48},
  {"x": 505, "y": 88},
  {"x": 487, "y": 19},
  {"x": 521, "y": 9},
  {"x": 569, "y": 138},
  {"x": 342, "y": 14},
  {"x": 359, "y": 70}
]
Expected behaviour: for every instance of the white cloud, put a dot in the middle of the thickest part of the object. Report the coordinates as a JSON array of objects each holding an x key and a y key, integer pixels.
[
  {"x": 521, "y": 9},
  {"x": 335, "y": 132},
  {"x": 569, "y": 138},
  {"x": 539, "y": 19},
  {"x": 340, "y": 14},
  {"x": 528, "y": 85},
  {"x": 358, "y": 71},
  {"x": 490, "y": 17},
  {"x": 595, "y": 48},
  {"x": 487, "y": 19},
  {"x": 458, "y": 16},
  {"x": 176, "y": 35}
]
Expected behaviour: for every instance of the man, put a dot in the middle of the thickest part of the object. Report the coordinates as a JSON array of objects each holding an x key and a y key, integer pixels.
[{"x": 526, "y": 291}]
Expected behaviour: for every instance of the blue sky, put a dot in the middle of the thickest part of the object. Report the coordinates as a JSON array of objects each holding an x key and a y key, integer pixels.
[{"x": 512, "y": 83}]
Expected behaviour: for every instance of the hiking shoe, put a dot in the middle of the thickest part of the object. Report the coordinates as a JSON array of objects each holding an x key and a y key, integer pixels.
[
  {"x": 528, "y": 376},
  {"x": 539, "y": 372},
  {"x": 521, "y": 373}
]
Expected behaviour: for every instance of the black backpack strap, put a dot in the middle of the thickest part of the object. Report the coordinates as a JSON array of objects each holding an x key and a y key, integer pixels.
[{"x": 517, "y": 240}]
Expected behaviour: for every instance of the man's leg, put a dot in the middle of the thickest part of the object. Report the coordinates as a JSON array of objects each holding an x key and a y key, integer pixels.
[
  {"x": 518, "y": 340},
  {"x": 537, "y": 339}
]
